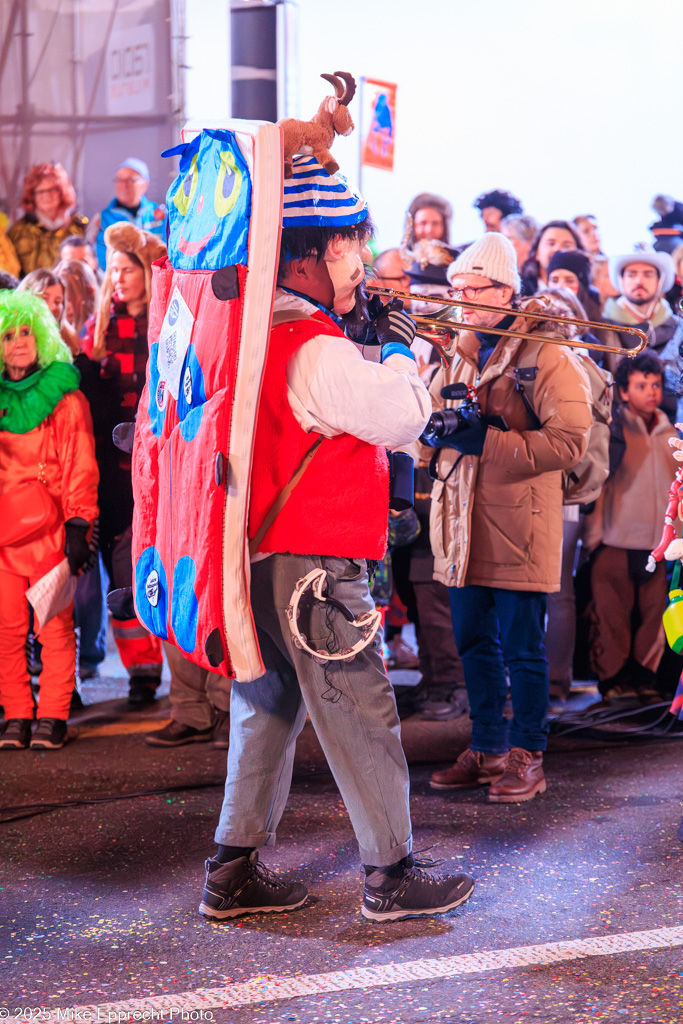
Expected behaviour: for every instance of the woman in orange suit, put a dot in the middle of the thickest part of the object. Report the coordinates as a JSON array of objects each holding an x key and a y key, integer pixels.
[{"x": 48, "y": 503}]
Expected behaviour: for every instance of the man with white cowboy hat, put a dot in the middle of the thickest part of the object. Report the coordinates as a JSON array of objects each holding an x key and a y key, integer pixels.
[
  {"x": 643, "y": 278},
  {"x": 496, "y": 522}
]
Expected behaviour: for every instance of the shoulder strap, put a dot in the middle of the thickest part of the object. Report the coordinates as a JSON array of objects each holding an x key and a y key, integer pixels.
[
  {"x": 289, "y": 316},
  {"x": 281, "y": 500},
  {"x": 284, "y": 316},
  {"x": 525, "y": 371}
]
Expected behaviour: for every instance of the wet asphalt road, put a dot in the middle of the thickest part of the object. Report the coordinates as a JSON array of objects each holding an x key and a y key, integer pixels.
[{"x": 99, "y": 902}]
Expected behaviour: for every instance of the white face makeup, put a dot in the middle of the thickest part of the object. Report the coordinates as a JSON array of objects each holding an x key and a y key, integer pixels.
[{"x": 344, "y": 260}]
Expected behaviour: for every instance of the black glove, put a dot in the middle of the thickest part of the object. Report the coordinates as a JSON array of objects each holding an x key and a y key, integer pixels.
[
  {"x": 76, "y": 548},
  {"x": 394, "y": 328},
  {"x": 470, "y": 436},
  {"x": 361, "y": 325}
]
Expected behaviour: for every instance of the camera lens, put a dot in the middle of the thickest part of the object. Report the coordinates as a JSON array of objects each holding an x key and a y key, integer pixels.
[{"x": 440, "y": 424}]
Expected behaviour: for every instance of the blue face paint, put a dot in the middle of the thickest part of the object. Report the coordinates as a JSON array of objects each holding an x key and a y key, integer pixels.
[{"x": 209, "y": 204}]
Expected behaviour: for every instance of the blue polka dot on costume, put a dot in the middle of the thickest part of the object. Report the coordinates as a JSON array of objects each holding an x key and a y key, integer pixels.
[
  {"x": 185, "y": 607},
  {"x": 191, "y": 396},
  {"x": 151, "y": 592},
  {"x": 158, "y": 394}
]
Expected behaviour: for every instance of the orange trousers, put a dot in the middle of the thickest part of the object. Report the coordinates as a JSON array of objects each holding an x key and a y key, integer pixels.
[
  {"x": 58, "y": 677},
  {"x": 140, "y": 652}
]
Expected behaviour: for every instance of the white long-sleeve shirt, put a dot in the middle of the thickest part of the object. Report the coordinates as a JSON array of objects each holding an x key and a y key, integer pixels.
[{"x": 332, "y": 390}]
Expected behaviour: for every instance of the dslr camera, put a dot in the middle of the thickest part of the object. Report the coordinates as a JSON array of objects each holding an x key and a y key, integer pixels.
[{"x": 442, "y": 425}]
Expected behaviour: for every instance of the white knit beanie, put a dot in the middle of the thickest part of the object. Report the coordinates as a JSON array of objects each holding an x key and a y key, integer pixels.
[{"x": 492, "y": 256}]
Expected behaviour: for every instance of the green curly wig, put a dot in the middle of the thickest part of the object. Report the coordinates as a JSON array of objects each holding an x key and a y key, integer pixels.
[{"x": 19, "y": 308}]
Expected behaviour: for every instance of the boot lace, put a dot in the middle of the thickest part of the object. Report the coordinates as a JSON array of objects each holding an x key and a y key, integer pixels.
[
  {"x": 518, "y": 761},
  {"x": 268, "y": 877},
  {"x": 420, "y": 866}
]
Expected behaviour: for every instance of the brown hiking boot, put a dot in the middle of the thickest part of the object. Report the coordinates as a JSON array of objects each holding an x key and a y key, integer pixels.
[
  {"x": 522, "y": 780},
  {"x": 473, "y": 768}
]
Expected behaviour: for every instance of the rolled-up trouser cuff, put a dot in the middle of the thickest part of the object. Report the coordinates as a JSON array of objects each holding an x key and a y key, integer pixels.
[
  {"x": 385, "y": 858},
  {"x": 256, "y": 839}
]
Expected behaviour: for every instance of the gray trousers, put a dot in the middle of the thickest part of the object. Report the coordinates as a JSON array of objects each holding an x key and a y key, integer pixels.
[
  {"x": 195, "y": 691},
  {"x": 351, "y": 705}
]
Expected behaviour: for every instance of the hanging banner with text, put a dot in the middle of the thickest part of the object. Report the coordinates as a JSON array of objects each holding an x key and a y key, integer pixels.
[
  {"x": 131, "y": 71},
  {"x": 379, "y": 124}
]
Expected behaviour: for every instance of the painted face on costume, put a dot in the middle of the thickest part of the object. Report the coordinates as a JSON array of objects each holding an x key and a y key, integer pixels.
[
  {"x": 345, "y": 259},
  {"x": 209, "y": 203}
]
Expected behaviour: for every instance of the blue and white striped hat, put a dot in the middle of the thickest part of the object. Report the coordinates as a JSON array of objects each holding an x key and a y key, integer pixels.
[{"x": 314, "y": 198}]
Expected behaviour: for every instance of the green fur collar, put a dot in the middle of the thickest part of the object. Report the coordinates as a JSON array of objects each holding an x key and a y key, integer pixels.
[{"x": 24, "y": 404}]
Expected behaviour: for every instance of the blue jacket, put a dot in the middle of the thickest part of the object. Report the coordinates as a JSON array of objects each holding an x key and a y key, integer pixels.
[{"x": 144, "y": 219}]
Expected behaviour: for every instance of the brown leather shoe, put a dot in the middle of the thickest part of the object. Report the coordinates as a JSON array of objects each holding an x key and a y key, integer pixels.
[
  {"x": 522, "y": 780},
  {"x": 473, "y": 768}
]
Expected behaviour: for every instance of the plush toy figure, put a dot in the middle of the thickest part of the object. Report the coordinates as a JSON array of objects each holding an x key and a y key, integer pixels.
[
  {"x": 315, "y": 137},
  {"x": 671, "y": 548}
]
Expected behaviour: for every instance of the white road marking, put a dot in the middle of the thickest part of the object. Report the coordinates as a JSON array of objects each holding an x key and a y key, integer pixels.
[{"x": 272, "y": 988}]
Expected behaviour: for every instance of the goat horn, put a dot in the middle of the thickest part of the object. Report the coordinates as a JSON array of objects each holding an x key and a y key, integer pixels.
[
  {"x": 337, "y": 83},
  {"x": 350, "y": 84}
]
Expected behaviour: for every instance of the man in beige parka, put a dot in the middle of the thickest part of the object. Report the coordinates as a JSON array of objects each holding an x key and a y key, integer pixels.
[{"x": 496, "y": 516}]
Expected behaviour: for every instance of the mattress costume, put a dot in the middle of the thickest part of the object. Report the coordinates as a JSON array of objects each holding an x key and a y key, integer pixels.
[{"x": 228, "y": 582}]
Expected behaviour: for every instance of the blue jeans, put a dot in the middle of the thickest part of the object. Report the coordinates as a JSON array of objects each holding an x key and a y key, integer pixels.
[
  {"x": 494, "y": 628},
  {"x": 352, "y": 709},
  {"x": 90, "y": 614}
]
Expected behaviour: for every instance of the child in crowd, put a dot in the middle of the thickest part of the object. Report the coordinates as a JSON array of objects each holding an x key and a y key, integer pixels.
[{"x": 628, "y": 602}]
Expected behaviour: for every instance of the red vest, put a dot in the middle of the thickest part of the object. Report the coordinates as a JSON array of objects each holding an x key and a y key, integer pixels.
[{"x": 340, "y": 506}]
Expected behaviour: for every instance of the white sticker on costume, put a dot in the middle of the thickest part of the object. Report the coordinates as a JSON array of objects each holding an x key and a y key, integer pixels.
[
  {"x": 152, "y": 588},
  {"x": 174, "y": 339},
  {"x": 161, "y": 395},
  {"x": 187, "y": 385}
]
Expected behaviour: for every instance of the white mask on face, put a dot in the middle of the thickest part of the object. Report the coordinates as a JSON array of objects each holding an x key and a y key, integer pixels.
[{"x": 344, "y": 261}]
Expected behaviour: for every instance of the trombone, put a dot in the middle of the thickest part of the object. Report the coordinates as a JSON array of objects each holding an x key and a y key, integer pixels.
[{"x": 440, "y": 326}]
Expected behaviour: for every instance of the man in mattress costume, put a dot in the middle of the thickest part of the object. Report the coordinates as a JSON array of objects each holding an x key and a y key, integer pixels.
[{"x": 320, "y": 501}]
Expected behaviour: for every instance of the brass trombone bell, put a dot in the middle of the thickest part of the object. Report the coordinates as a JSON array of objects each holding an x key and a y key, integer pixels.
[{"x": 436, "y": 327}]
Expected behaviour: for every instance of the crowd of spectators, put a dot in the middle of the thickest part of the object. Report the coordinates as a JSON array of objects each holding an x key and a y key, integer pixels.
[{"x": 75, "y": 294}]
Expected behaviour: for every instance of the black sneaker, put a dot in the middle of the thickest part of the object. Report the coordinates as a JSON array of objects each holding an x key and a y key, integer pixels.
[
  {"x": 412, "y": 892},
  {"x": 438, "y": 705},
  {"x": 16, "y": 735},
  {"x": 244, "y": 886},
  {"x": 50, "y": 734},
  {"x": 76, "y": 700},
  {"x": 141, "y": 692},
  {"x": 175, "y": 734}
]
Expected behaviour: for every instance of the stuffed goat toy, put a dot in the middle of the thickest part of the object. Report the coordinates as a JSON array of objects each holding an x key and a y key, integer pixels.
[{"x": 314, "y": 137}]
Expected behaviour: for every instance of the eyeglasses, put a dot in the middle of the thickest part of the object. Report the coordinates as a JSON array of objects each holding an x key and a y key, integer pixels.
[
  {"x": 45, "y": 191},
  {"x": 470, "y": 294},
  {"x": 127, "y": 181}
]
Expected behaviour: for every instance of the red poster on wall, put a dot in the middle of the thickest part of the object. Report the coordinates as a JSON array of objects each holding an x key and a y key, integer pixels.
[{"x": 379, "y": 124}]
